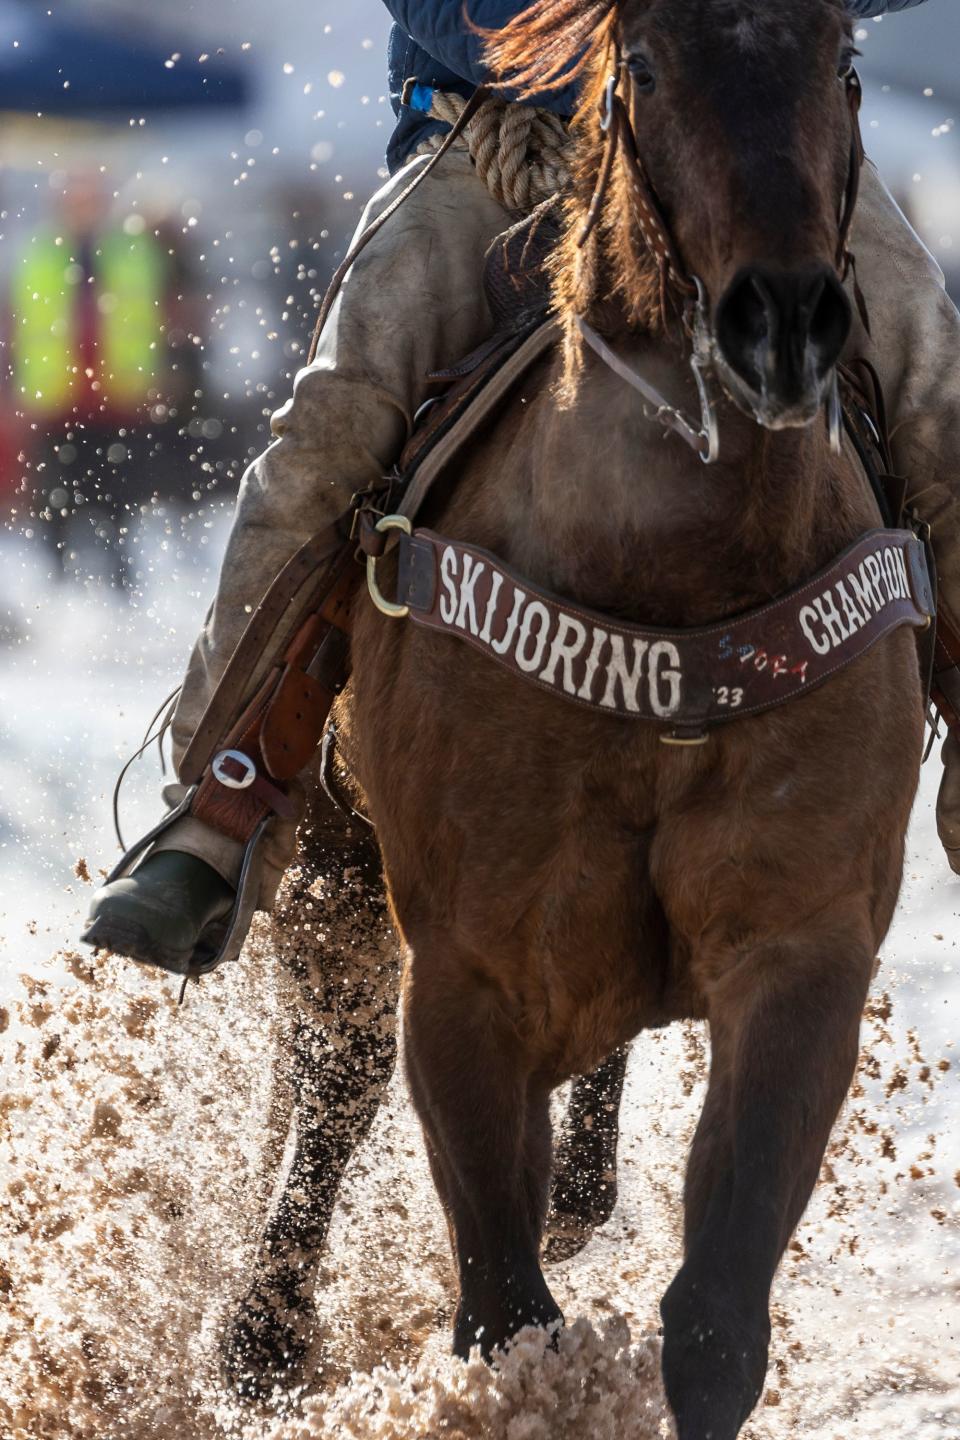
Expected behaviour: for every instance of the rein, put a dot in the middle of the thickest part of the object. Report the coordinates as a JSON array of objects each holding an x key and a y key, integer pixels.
[
  {"x": 706, "y": 440},
  {"x": 682, "y": 289}
]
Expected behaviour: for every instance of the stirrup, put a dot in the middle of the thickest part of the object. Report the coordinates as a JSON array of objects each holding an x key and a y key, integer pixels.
[{"x": 235, "y": 928}]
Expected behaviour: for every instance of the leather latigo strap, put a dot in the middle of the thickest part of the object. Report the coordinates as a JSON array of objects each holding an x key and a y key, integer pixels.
[
  {"x": 280, "y": 729},
  {"x": 684, "y": 679},
  {"x": 316, "y": 666},
  {"x": 235, "y": 794},
  {"x": 308, "y": 578}
]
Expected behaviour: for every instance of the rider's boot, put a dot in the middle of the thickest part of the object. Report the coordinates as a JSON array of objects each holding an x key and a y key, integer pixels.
[
  {"x": 170, "y": 910},
  {"x": 948, "y": 801},
  {"x": 413, "y": 303}
]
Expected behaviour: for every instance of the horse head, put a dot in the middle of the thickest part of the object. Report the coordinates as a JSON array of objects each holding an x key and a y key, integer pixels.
[{"x": 731, "y": 190}]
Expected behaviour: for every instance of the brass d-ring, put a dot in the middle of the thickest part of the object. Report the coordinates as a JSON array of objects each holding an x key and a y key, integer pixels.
[{"x": 385, "y": 606}]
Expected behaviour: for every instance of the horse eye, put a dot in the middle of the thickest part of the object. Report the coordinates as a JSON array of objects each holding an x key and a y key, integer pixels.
[
  {"x": 847, "y": 63},
  {"x": 641, "y": 74}
]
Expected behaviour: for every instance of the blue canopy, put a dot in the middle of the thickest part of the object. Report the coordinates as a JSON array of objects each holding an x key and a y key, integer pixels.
[{"x": 68, "y": 67}]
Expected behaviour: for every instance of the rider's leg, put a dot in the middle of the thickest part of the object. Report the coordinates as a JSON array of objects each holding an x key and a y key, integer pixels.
[
  {"x": 413, "y": 302},
  {"x": 915, "y": 346}
]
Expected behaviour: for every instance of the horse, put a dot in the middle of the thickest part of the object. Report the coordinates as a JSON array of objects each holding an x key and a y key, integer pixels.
[{"x": 564, "y": 878}]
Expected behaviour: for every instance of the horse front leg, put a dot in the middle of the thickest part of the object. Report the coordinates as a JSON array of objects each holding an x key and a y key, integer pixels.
[
  {"x": 784, "y": 1024},
  {"x": 487, "y": 1126},
  {"x": 584, "y": 1189}
]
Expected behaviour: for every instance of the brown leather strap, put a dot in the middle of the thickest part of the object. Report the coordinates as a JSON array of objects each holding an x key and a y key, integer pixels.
[
  {"x": 854, "y": 101},
  {"x": 859, "y": 377},
  {"x": 656, "y": 231},
  {"x": 315, "y": 671},
  {"x": 620, "y": 139},
  {"x": 474, "y": 407},
  {"x": 227, "y": 804},
  {"x": 687, "y": 679},
  {"x": 610, "y": 124},
  {"x": 307, "y": 576},
  {"x": 239, "y": 769}
]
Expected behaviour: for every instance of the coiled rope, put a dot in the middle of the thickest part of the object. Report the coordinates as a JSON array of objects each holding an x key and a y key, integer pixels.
[{"x": 521, "y": 153}]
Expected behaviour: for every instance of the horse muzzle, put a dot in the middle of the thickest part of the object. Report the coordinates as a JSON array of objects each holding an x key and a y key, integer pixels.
[{"x": 777, "y": 338}]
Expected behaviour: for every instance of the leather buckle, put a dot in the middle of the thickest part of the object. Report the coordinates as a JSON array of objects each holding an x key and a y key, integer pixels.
[
  {"x": 684, "y": 737},
  {"x": 385, "y": 606},
  {"x": 235, "y": 758}
]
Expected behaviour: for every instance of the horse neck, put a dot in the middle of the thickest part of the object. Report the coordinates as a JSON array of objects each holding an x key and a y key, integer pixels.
[{"x": 785, "y": 491}]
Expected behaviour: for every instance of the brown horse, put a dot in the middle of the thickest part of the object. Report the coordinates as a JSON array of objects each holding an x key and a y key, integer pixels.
[{"x": 563, "y": 880}]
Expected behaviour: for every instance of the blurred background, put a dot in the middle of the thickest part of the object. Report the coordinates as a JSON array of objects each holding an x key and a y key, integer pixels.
[{"x": 202, "y": 167}]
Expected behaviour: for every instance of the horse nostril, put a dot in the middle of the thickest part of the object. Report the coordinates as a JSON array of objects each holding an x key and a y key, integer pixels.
[
  {"x": 830, "y": 322},
  {"x": 782, "y": 331},
  {"x": 743, "y": 326}
]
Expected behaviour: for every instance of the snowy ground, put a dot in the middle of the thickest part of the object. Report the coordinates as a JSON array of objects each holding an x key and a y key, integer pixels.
[{"x": 137, "y": 1141}]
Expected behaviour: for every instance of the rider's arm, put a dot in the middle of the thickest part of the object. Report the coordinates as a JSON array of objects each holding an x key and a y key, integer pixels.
[
  {"x": 865, "y": 8},
  {"x": 439, "y": 27}
]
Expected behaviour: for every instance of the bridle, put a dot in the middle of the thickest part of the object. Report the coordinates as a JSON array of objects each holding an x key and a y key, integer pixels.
[{"x": 680, "y": 289}]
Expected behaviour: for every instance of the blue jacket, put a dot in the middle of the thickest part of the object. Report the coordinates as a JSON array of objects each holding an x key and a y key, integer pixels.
[{"x": 431, "y": 44}]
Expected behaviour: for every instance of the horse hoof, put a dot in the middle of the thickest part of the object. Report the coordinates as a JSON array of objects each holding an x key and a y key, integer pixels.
[
  {"x": 468, "y": 1338},
  {"x": 571, "y": 1226},
  {"x": 567, "y": 1236},
  {"x": 264, "y": 1349}
]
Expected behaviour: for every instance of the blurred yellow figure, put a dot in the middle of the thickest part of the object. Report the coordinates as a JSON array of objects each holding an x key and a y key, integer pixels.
[{"x": 87, "y": 308}]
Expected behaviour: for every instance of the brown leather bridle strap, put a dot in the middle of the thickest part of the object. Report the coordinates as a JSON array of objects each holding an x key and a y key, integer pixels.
[
  {"x": 610, "y": 125},
  {"x": 647, "y": 209},
  {"x": 854, "y": 100},
  {"x": 846, "y": 260},
  {"x": 621, "y": 139}
]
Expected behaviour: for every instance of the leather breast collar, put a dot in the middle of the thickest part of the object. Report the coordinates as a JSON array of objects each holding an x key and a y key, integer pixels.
[{"x": 686, "y": 680}]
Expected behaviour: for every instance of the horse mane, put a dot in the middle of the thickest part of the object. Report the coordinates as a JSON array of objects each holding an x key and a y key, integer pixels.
[
  {"x": 545, "y": 47},
  {"x": 550, "y": 43}
]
